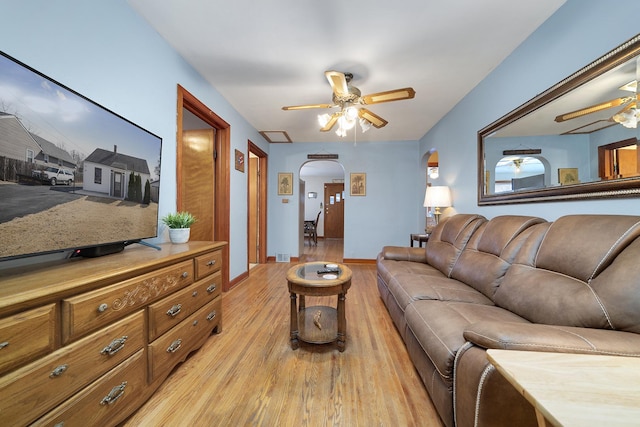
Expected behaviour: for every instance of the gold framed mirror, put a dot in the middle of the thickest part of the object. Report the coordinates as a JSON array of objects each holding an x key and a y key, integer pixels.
[{"x": 576, "y": 140}]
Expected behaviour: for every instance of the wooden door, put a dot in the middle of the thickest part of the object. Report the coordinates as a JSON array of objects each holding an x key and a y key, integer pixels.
[
  {"x": 253, "y": 210},
  {"x": 333, "y": 210},
  {"x": 197, "y": 186}
]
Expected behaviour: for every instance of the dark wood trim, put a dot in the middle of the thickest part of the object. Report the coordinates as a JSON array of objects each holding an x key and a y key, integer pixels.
[{"x": 222, "y": 205}]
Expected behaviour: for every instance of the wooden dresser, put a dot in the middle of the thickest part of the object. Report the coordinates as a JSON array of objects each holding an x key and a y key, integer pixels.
[{"x": 87, "y": 341}]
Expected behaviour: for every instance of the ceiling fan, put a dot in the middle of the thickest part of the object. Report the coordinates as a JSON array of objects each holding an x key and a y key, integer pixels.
[
  {"x": 628, "y": 116},
  {"x": 350, "y": 100}
]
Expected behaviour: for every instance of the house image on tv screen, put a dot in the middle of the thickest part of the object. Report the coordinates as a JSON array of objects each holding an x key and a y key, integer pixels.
[
  {"x": 116, "y": 174},
  {"x": 31, "y": 150}
]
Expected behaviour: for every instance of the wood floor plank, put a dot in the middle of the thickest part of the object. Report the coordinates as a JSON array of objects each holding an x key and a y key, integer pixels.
[{"x": 248, "y": 375}]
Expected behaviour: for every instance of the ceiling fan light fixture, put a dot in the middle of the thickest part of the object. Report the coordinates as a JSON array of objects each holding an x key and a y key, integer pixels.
[
  {"x": 365, "y": 125},
  {"x": 323, "y": 119},
  {"x": 351, "y": 112},
  {"x": 345, "y": 122}
]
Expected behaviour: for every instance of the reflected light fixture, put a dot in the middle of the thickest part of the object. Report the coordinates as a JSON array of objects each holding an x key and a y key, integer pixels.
[
  {"x": 517, "y": 163},
  {"x": 437, "y": 196},
  {"x": 628, "y": 118}
]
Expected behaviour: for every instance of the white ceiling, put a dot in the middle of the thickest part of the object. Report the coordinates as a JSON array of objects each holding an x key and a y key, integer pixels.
[{"x": 262, "y": 55}]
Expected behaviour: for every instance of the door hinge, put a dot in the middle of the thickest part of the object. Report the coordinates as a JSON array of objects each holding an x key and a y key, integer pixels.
[{"x": 215, "y": 154}]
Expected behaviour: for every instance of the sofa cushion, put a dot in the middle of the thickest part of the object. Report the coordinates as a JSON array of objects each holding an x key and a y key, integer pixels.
[
  {"x": 578, "y": 274},
  {"x": 449, "y": 238},
  {"x": 490, "y": 252},
  {"x": 406, "y": 288},
  {"x": 438, "y": 326},
  {"x": 558, "y": 339}
]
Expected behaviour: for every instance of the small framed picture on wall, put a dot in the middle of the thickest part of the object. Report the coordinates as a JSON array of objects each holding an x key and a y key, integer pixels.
[
  {"x": 285, "y": 184},
  {"x": 358, "y": 184}
]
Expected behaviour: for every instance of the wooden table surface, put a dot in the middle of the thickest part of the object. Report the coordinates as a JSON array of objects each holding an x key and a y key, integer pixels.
[{"x": 574, "y": 389}]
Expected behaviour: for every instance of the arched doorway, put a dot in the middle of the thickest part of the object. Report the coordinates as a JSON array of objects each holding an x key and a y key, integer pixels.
[
  {"x": 323, "y": 183},
  {"x": 513, "y": 173}
]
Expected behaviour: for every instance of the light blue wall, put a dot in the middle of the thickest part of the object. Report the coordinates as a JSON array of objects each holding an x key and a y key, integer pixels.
[
  {"x": 389, "y": 212},
  {"x": 577, "y": 34},
  {"x": 106, "y": 52}
]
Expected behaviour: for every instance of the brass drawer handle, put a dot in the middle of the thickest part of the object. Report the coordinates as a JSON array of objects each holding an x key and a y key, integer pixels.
[
  {"x": 115, "y": 346},
  {"x": 211, "y": 263},
  {"x": 58, "y": 371},
  {"x": 211, "y": 288},
  {"x": 115, "y": 394},
  {"x": 4, "y": 344},
  {"x": 212, "y": 316},
  {"x": 174, "y": 346},
  {"x": 185, "y": 275},
  {"x": 173, "y": 311}
]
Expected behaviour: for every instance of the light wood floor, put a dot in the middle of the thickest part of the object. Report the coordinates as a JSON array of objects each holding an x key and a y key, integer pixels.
[{"x": 249, "y": 376}]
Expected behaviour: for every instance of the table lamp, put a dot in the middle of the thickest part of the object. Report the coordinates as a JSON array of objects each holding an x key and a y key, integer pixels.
[{"x": 437, "y": 196}]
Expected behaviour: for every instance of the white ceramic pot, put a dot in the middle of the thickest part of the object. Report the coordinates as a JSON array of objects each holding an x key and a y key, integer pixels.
[{"x": 179, "y": 235}]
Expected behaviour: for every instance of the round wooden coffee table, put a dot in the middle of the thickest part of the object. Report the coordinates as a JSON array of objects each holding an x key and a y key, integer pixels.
[{"x": 318, "y": 324}]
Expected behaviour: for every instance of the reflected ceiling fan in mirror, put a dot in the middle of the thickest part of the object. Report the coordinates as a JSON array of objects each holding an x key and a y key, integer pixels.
[
  {"x": 628, "y": 116},
  {"x": 350, "y": 101}
]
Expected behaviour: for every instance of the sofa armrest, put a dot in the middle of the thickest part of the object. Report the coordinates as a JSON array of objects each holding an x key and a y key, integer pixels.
[
  {"x": 552, "y": 338},
  {"x": 404, "y": 253}
]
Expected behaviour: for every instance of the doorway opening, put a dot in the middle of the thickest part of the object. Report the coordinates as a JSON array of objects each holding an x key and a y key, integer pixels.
[
  {"x": 203, "y": 186},
  {"x": 257, "y": 206},
  {"x": 619, "y": 160},
  {"x": 324, "y": 195}
]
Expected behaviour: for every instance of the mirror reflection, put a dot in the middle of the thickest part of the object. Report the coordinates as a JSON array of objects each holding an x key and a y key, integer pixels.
[{"x": 577, "y": 139}]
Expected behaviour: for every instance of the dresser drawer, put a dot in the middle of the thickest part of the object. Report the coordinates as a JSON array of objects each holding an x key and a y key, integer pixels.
[
  {"x": 107, "y": 401},
  {"x": 174, "y": 346},
  {"x": 34, "y": 389},
  {"x": 27, "y": 335},
  {"x": 92, "y": 310},
  {"x": 207, "y": 264},
  {"x": 168, "y": 312}
]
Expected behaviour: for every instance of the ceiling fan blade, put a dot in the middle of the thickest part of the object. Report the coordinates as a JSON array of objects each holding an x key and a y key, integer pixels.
[
  {"x": 593, "y": 109},
  {"x": 308, "y": 107},
  {"x": 338, "y": 82},
  {"x": 375, "y": 120},
  {"x": 390, "y": 95},
  {"x": 332, "y": 121}
]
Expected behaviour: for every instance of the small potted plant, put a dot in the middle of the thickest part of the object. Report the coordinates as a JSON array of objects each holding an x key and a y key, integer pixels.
[{"x": 179, "y": 226}]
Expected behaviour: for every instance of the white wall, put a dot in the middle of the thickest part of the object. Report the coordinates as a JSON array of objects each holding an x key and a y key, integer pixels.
[
  {"x": 577, "y": 34},
  {"x": 106, "y": 52}
]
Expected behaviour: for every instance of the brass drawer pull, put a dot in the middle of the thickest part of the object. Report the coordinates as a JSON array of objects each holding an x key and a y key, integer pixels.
[
  {"x": 4, "y": 344},
  {"x": 102, "y": 308},
  {"x": 212, "y": 316},
  {"x": 173, "y": 311},
  {"x": 211, "y": 288},
  {"x": 185, "y": 275},
  {"x": 174, "y": 346},
  {"x": 211, "y": 263},
  {"x": 115, "y": 394},
  {"x": 58, "y": 371},
  {"x": 115, "y": 346}
]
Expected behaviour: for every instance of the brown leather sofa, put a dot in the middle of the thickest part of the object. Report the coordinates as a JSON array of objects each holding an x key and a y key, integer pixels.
[{"x": 512, "y": 282}]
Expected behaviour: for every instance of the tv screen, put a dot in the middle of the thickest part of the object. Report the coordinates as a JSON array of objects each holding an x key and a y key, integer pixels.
[{"x": 73, "y": 175}]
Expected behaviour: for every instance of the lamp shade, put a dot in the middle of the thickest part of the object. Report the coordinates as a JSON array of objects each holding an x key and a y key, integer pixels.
[{"x": 438, "y": 196}]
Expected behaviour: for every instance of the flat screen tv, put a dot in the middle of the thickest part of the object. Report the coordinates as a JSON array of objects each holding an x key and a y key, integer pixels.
[{"x": 75, "y": 177}]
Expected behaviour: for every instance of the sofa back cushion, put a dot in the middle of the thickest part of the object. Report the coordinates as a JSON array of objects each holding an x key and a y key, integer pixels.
[
  {"x": 582, "y": 270},
  {"x": 449, "y": 238},
  {"x": 491, "y": 250}
]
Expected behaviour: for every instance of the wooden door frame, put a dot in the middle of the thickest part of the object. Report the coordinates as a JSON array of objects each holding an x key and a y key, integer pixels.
[
  {"x": 222, "y": 204},
  {"x": 262, "y": 200}
]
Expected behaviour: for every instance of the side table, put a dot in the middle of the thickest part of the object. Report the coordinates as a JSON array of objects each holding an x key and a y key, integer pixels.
[
  {"x": 318, "y": 324},
  {"x": 420, "y": 238}
]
